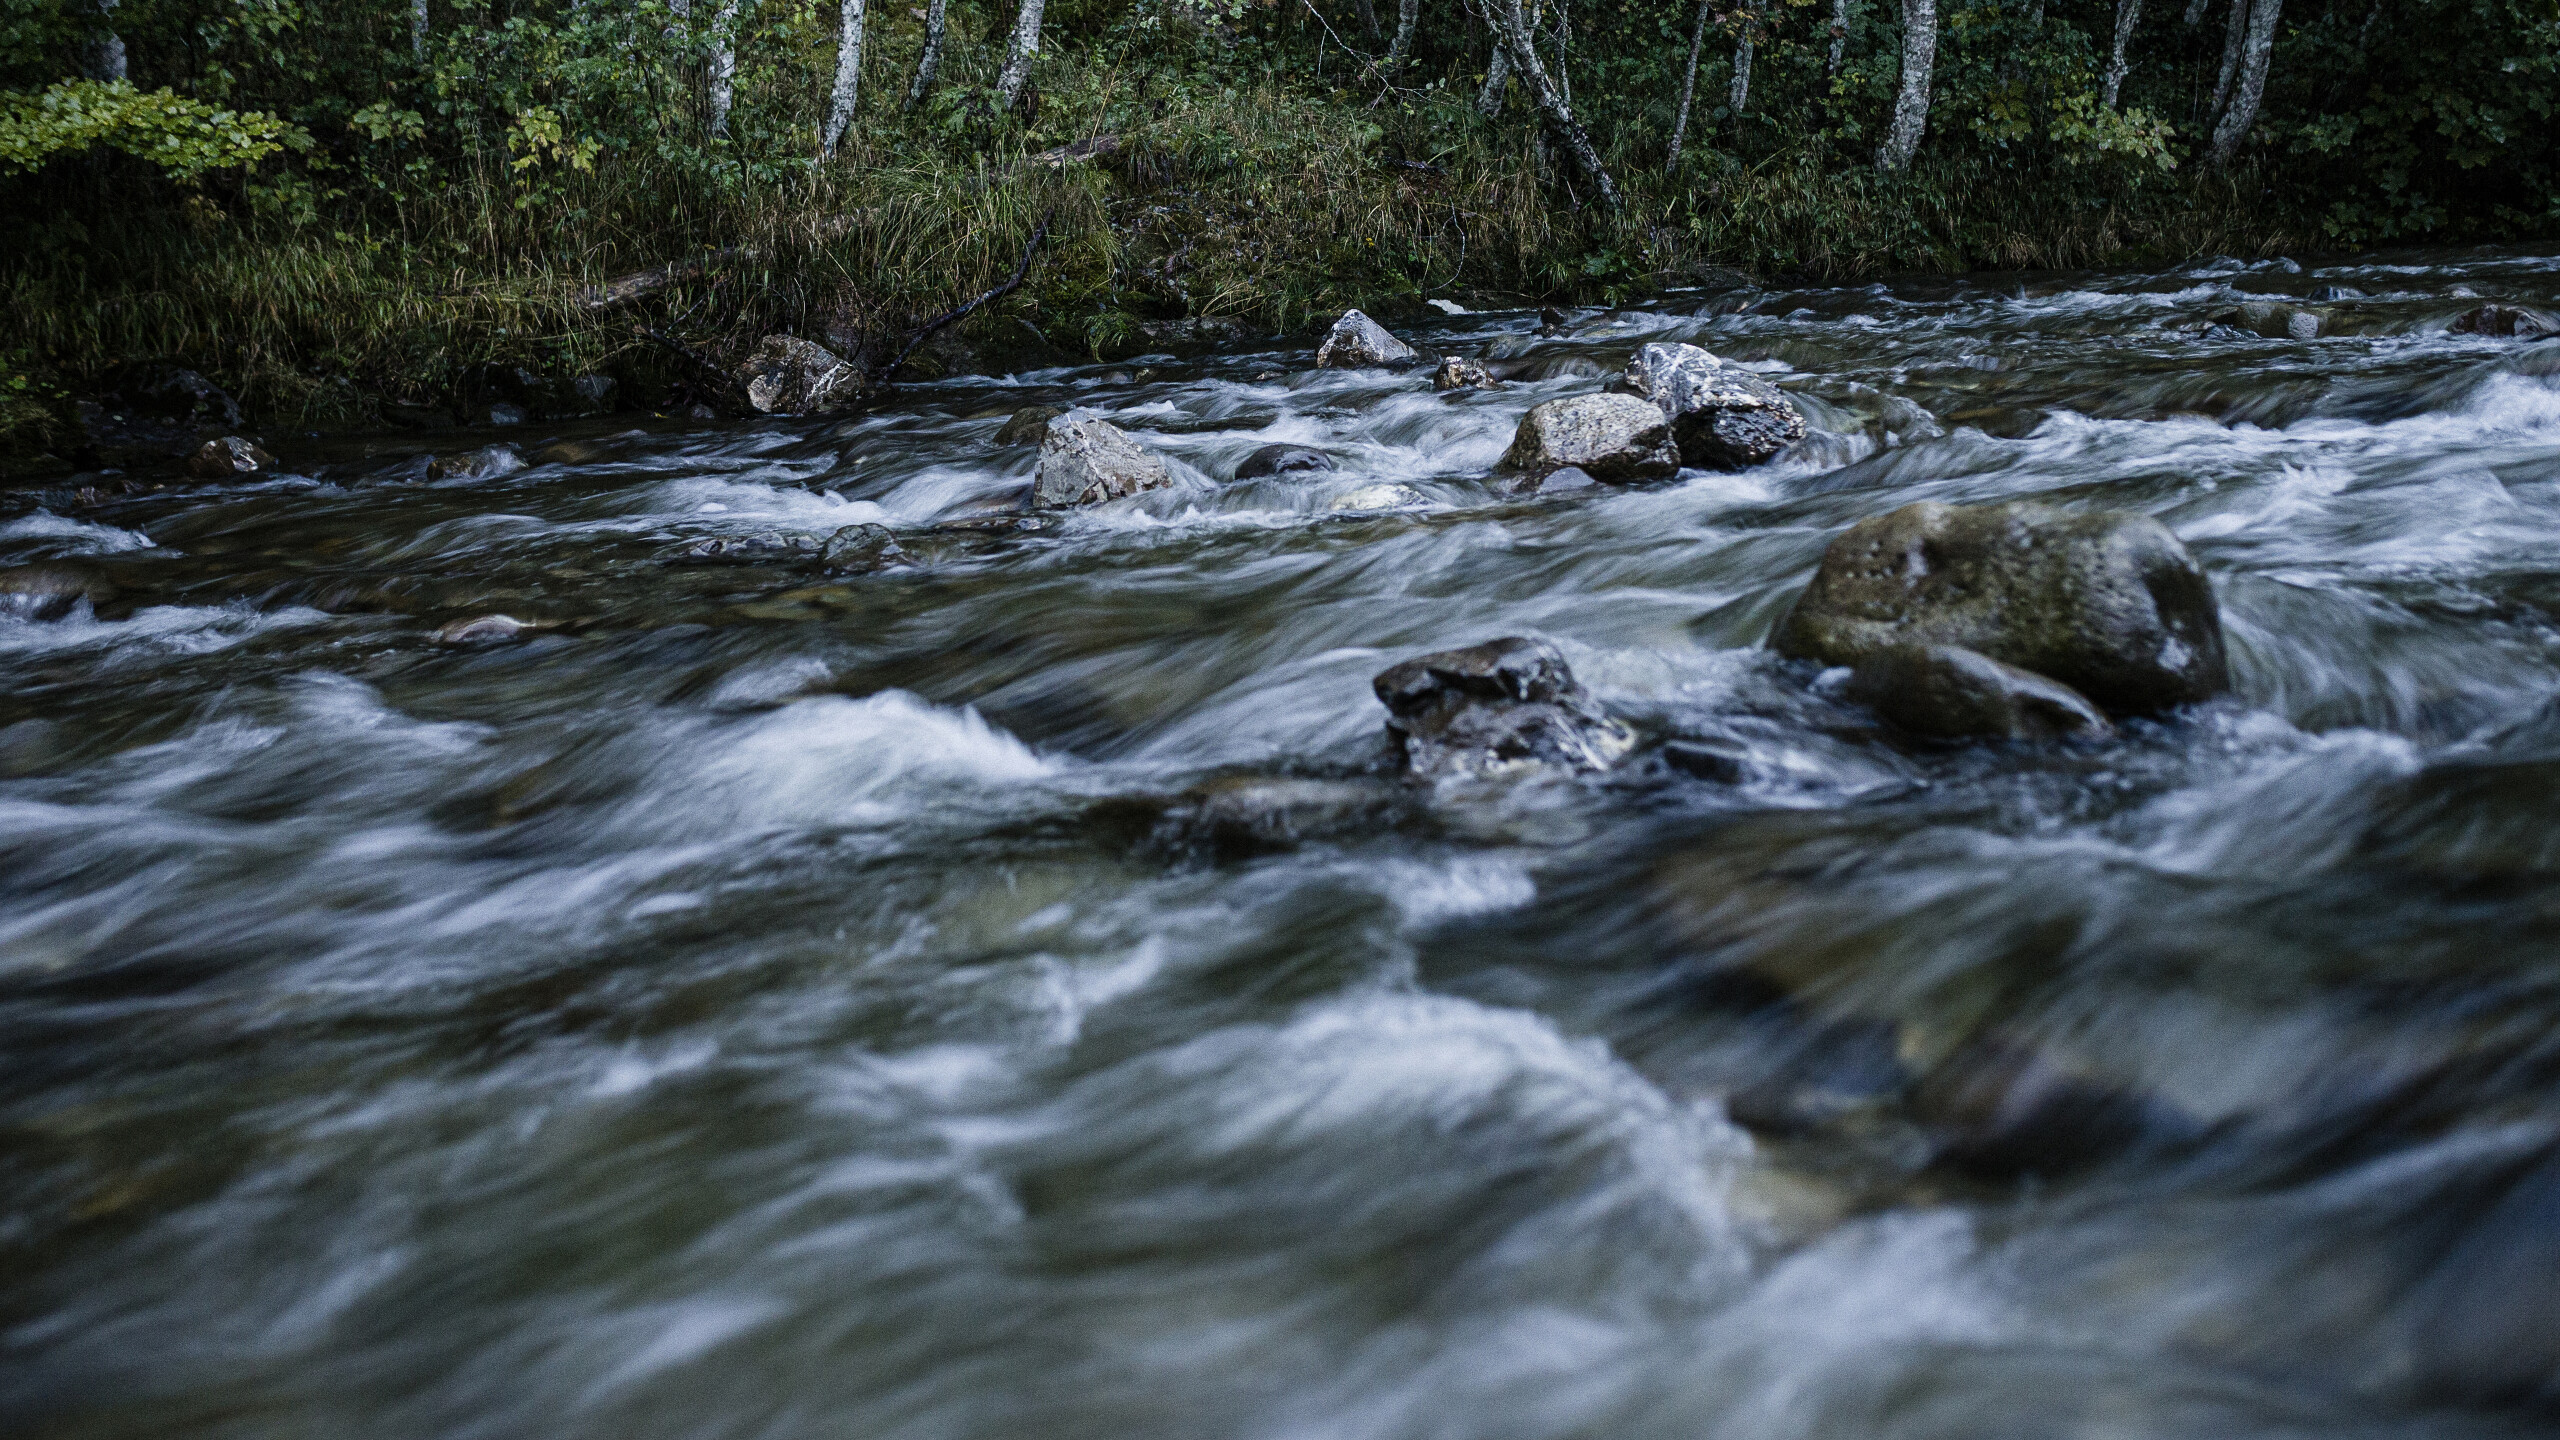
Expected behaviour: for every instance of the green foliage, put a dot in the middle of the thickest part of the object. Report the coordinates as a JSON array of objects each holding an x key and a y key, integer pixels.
[{"x": 184, "y": 138}]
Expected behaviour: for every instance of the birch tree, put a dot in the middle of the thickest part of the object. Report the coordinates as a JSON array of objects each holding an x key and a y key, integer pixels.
[
  {"x": 1688, "y": 85},
  {"x": 1497, "y": 72},
  {"x": 724, "y": 66},
  {"x": 2234, "y": 38},
  {"x": 1517, "y": 38},
  {"x": 102, "y": 56},
  {"x": 2252, "y": 86},
  {"x": 2128, "y": 14},
  {"x": 848, "y": 74},
  {"x": 1911, "y": 105},
  {"x": 1408, "y": 12},
  {"x": 418, "y": 30},
  {"x": 1018, "y": 53},
  {"x": 1839, "y": 35},
  {"x": 929, "y": 63},
  {"x": 1738, "y": 95}
]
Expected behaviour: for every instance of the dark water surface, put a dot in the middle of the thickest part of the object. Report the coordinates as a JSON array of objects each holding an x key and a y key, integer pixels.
[{"x": 749, "y": 1007}]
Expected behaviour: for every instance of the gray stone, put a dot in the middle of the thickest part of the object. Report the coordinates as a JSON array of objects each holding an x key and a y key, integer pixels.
[
  {"x": 2302, "y": 325},
  {"x": 862, "y": 547},
  {"x": 790, "y": 376},
  {"x": 1085, "y": 461},
  {"x": 1385, "y": 496},
  {"x": 228, "y": 458},
  {"x": 1955, "y": 693},
  {"x": 1242, "y": 816},
  {"x": 1356, "y": 341},
  {"x": 1459, "y": 373},
  {"x": 770, "y": 547},
  {"x": 1281, "y": 460},
  {"x": 1028, "y": 425},
  {"x": 1504, "y": 707},
  {"x": 1616, "y": 438},
  {"x": 2505, "y": 320},
  {"x": 2330, "y": 294},
  {"x": 1722, "y": 417},
  {"x": 2107, "y": 603},
  {"x": 484, "y": 463},
  {"x": 593, "y": 394}
]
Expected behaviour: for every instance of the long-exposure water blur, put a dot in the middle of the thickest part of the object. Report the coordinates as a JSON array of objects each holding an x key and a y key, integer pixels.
[{"x": 778, "y": 998}]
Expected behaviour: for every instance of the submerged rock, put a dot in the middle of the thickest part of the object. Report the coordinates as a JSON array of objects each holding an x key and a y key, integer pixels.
[
  {"x": 1505, "y": 706},
  {"x": 1027, "y": 425},
  {"x": 1459, "y": 373},
  {"x": 1614, "y": 437},
  {"x": 2108, "y": 603},
  {"x": 1356, "y": 341},
  {"x": 2505, "y": 320},
  {"x": 789, "y": 376},
  {"x": 1722, "y": 416},
  {"x": 1384, "y": 496},
  {"x": 1281, "y": 460},
  {"x": 484, "y": 463},
  {"x": 1085, "y": 461},
  {"x": 50, "y": 590},
  {"x": 862, "y": 547},
  {"x": 1955, "y": 693},
  {"x": 228, "y": 458},
  {"x": 771, "y": 547},
  {"x": 1250, "y": 815}
]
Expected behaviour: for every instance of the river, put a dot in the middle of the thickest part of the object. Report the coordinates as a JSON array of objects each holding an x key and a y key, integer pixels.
[{"x": 757, "y": 1002}]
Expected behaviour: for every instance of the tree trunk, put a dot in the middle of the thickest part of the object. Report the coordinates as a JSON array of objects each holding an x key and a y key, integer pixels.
[
  {"x": 102, "y": 55},
  {"x": 1839, "y": 35},
  {"x": 1407, "y": 13},
  {"x": 1369, "y": 22},
  {"x": 1018, "y": 52},
  {"x": 2234, "y": 39},
  {"x": 848, "y": 75},
  {"x": 1516, "y": 37},
  {"x": 1497, "y": 74},
  {"x": 1911, "y": 106},
  {"x": 724, "y": 65},
  {"x": 930, "y": 62},
  {"x": 1688, "y": 86},
  {"x": 1739, "y": 95},
  {"x": 2195, "y": 12},
  {"x": 418, "y": 30},
  {"x": 2243, "y": 112},
  {"x": 2128, "y": 14}
]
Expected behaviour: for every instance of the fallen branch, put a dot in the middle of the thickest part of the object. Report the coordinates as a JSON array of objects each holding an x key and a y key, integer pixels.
[
  {"x": 1020, "y": 273},
  {"x": 641, "y": 284},
  {"x": 1090, "y": 148}
]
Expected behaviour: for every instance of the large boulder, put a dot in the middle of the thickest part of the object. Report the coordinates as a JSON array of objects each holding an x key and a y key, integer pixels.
[
  {"x": 1614, "y": 437},
  {"x": 1084, "y": 461},
  {"x": 1356, "y": 340},
  {"x": 790, "y": 376},
  {"x": 1504, "y": 707},
  {"x": 1722, "y": 417},
  {"x": 1028, "y": 425},
  {"x": 1952, "y": 692},
  {"x": 2108, "y": 603}
]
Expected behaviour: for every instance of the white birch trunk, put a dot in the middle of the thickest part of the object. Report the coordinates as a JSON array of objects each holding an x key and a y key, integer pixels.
[
  {"x": 1514, "y": 28},
  {"x": 2243, "y": 111},
  {"x": 2195, "y": 12},
  {"x": 724, "y": 65},
  {"x": 1911, "y": 105},
  {"x": 1688, "y": 86},
  {"x": 102, "y": 56},
  {"x": 1408, "y": 12},
  {"x": 1739, "y": 95},
  {"x": 418, "y": 30},
  {"x": 930, "y": 62},
  {"x": 1019, "y": 51},
  {"x": 2128, "y": 15},
  {"x": 2234, "y": 38},
  {"x": 1497, "y": 74},
  {"x": 848, "y": 76},
  {"x": 1839, "y": 35}
]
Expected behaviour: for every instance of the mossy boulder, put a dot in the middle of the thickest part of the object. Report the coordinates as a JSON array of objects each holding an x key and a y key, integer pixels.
[{"x": 1955, "y": 693}]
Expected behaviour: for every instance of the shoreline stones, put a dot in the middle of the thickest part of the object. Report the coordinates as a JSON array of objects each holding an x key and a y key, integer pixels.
[
  {"x": 1356, "y": 341},
  {"x": 1613, "y": 437},
  {"x": 786, "y": 375},
  {"x": 1504, "y": 707},
  {"x": 2108, "y": 604},
  {"x": 228, "y": 458},
  {"x": 1085, "y": 461},
  {"x": 1722, "y": 417},
  {"x": 1282, "y": 460},
  {"x": 1952, "y": 692}
]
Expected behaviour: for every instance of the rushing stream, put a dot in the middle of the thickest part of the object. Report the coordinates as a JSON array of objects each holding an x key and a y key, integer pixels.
[{"x": 767, "y": 1001}]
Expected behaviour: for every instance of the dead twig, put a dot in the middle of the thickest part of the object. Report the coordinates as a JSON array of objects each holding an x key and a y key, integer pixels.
[{"x": 1021, "y": 272}]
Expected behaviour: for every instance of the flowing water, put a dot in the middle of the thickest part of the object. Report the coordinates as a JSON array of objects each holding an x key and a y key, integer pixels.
[{"x": 763, "y": 1001}]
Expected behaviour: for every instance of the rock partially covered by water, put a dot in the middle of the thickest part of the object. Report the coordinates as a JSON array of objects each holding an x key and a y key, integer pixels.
[
  {"x": 1614, "y": 437},
  {"x": 1028, "y": 425},
  {"x": 863, "y": 547},
  {"x": 1386, "y": 495},
  {"x": 228, "y": 458},
  {"x": 1281, "y": 460},
  {"x": 1459, "y": 373},
  {"x": 1955, "y": 693},
  {"x": 1085, "y": 461},
  {"x": 790, "y": 376},
  {"x": 2505, "y": 320},
  {"x": 482, "y": 630},
  {"x": 1501, "y": 707},
  {"x": 2108, "y": 603},
  {"x": 770, "y": 547},
  {"x": 50, "y": 591},
  {"x": 1722, "y": 417},
  {"x": 487, "y": 462},
  {"x": 1356, "y": 341}
]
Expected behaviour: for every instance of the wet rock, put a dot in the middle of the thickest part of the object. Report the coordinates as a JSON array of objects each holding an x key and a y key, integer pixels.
[
  {"x": 1571, "y": 477},
  {"x": 1617, "y": 438},
  {"x": 484, "y": 463},
  {"x": 2511, "y": 321},
  {"x": 2331, "y": 294},
  {"x": 50, "y": 590},
  {"x": 1722, "y": 764},
  {"x": 1502, "y": 707},
  {"x": 1378, "y": 497},
  {"x": 1459, "y": 373},
  {"x": 2001, "y": 1110},
  {"x": 1085, "y": 461},
  {"x": 1722, "y": 417},
  {"x": 1243, "y": 816},
  {"x": 1197, "y": 330},
  {"x": 1955, "y": 693},
  {"x": 482, "y": 630},
  {"x": 862, "y": 547},
  {"x": 228, "y": 458},
  {"x": 2108, "y": 603},
  {"x": 496, "y": 413},
  {"x": 789, "y": 376},
  {"x": 2304, "y": 325},
  {"x": 1553, "y": 322},
  {"x": 593, "y": 394},
  {"x": 1282, "y": 460},
  {"x": 2271, "y": 321},
  {"x": 1028, "y": 425},
  {"x": 1356, "y": 341},
  {"x": 767, "y": 548},
  {"x": 1000, "y": 524}
]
